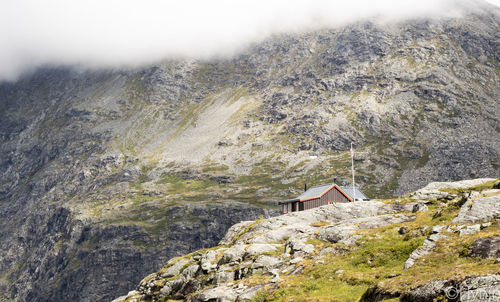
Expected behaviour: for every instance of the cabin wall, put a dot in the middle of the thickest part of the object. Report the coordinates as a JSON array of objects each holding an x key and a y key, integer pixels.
[{"x": 333, "y": 195}]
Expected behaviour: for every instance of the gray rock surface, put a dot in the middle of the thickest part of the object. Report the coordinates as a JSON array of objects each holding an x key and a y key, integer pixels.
[
  {"x": 486, "y": 248},
  {"x": 260, "y": 248},
  {"x": 278, "y": 228},
  {"x": 479, "y": 210},
  {"x": 342, "y": 231},
  {"x": 175, "y": 269},
  {"x": 480, "y": 289}
]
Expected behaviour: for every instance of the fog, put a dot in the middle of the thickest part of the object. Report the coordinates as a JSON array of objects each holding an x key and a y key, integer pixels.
[{"x": 129, "y": 33}]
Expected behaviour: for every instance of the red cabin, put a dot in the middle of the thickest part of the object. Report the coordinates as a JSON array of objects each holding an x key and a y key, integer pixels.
[{"x": 321, "y": 195}]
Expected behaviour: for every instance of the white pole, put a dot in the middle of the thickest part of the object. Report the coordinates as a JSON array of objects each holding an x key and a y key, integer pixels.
[{"x": 352, "y": 166}]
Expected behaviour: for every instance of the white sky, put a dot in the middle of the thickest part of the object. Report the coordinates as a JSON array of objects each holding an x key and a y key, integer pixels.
[{"x": 116, "y": 33}]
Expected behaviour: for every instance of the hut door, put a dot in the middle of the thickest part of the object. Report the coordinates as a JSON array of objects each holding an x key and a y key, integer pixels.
[
  {"x": 294, "y": 206},
  {"x": 301, "y": 206}
]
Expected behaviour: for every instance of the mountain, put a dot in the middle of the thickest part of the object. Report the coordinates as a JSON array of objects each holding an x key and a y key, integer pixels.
[
  {"x": 440, "y": 243},
  {"x": 107, "y": 174}
]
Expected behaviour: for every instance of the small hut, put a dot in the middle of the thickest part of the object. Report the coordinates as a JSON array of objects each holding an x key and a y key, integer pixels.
[{"x": 321, "y": 195}]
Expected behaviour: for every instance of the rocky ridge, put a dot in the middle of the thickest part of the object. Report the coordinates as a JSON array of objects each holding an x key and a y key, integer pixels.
[
  {"x": 108, "y": 171},
  {"x": 363, "y": 246}
]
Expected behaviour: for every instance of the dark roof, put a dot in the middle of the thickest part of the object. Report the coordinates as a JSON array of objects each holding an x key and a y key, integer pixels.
[
  {"x": 315, "y": 191},
  {"x": 288, "y": 200},
  {"x": 348, "y": 190}
]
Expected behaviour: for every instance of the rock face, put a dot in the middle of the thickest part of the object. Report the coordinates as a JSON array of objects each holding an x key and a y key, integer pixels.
[
  {"x": 480, "y": 209},
  {"x": 486, "y": 248},
  {"x": 274, "y": 250},
  {"x": 107, "y": 174}
]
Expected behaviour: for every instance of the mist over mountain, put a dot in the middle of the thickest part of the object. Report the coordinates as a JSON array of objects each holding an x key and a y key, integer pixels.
[
  {"x": 106, "y": 171},
  {"x": 128, "y": 34}
]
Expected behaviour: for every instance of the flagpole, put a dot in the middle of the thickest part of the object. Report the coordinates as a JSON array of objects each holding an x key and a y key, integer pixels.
[{"x": 352, "y": 167}]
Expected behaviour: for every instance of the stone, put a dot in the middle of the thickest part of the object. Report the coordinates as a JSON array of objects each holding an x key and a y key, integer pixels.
[
  {"x": 233, "y": 254},
  {"x": 336, "y": 233},
  {"x": 470, "y": 229},
  {"x": 423, "y": 250},
  {"x": 266, "y": 262},
  {"x": 428, "y": 291},
  {"x": 259, "y": 248},
  {"x": 485, "y": 248},
  {"x": 249, "y": 293},
  {"x": 208, "y": 261},
  {"x": 496, "y": 185},
  {"x": 326, "y": 251},
  {"x": 294, "y": 245},
  {"x": 219, "y": 294},
  {"x": 437, "y": 229},
  {"x": 429, "y": 194},
  {"x": 225, "y": 273},
  {"x": 418, "y": 207},
  {"x": 480, "y": 289},
  {"x": 175, "y": 269},
  {"x": 351, "y": 240},
  {"x": 190, "y": 271},
  {"x": 481, "y": 209}
]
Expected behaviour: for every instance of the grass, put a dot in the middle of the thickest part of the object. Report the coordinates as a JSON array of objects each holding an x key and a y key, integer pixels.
[
  {"x": 381, "y": 253},
  {"x": 378, "y": 259},
  {"x": 448, "y": 260},
  {"x": 320, "y": 224}
]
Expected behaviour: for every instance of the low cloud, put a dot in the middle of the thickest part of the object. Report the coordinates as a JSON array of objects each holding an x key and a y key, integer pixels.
[{"x": 128, "y": 33}]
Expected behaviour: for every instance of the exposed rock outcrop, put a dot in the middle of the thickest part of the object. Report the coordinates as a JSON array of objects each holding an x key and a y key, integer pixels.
[{"x": 277, "y": 248}]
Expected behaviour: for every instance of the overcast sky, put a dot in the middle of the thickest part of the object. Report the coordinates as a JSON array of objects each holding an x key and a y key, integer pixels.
[{"x": 115, "y": 33}]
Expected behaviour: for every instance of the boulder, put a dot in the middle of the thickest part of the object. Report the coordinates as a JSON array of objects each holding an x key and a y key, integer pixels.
[
  {"x": 260, "y": 248},
  {"x": 479, "y": 209},
  {"x": 480, "y": 289},
  {"x": 225, "y": 273},
  {"x": 233, "y": 254},
  {"x": 266, "y": 262},
  {"x": 429, "y": 291},
  {"x": 190, "y": 271},
  {"x": 219, "y": 294},
  {"x": 175, "y": 269},
  {"x": 485, "y": 248},
  {"x": 343, "y": 231},
  {"x": 208, "y": 261},
  {"x": 418, "y": 207},
  {"x": 469, "y": 230},
  {"x": 337, "y": 233},
  {"x": 472, "y": 289},
  {"x": 294, "y": 245},
  {"x": 249, "y": 293}
]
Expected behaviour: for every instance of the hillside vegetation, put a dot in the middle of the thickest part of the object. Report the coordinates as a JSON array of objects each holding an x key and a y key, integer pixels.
[{"x": 441, "y": 242}]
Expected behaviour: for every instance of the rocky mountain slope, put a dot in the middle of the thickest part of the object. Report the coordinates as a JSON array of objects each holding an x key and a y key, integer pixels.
[
  {"x": 104, "y": 175},
  {"x": 439, "y": 242}
]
